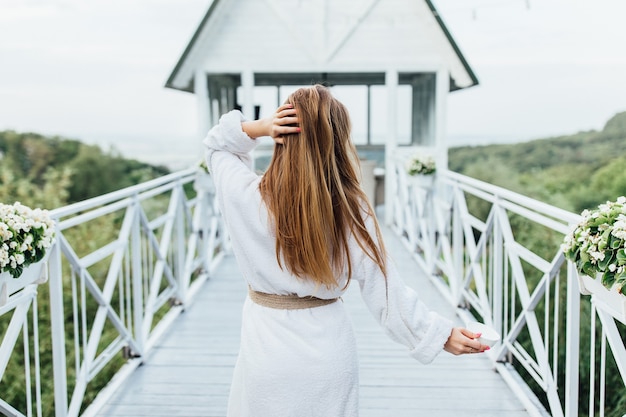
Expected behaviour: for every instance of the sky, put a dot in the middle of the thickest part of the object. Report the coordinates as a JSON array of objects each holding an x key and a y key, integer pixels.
[{"x": 95, "y": 70}]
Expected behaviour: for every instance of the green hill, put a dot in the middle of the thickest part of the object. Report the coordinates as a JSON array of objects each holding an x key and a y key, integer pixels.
[
  {"x": 572, "y": 172},
  {"x": 52, "y": 171}
]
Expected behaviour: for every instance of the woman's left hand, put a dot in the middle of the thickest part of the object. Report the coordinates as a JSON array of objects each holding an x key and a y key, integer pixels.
[
  {"x": 284, "y": 122},
  {"x": 462, "y": 341}
]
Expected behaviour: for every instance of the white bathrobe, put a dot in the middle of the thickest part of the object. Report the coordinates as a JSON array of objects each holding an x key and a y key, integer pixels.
[{"x": 302, "y": 363}]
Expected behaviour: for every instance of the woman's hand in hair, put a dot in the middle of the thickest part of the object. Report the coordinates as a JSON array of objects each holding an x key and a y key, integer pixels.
[
  {"x": 463, "y": 341},
  {"x": 282, "y": 122}
]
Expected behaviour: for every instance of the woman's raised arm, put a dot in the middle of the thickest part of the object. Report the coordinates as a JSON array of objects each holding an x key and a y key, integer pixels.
[{"x": 282, "y": 122}]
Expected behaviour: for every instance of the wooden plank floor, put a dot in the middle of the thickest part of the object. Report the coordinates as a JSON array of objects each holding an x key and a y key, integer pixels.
[{"x": 189, "y": 371}]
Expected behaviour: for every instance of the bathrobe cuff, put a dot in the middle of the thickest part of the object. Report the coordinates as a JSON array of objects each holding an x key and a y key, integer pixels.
[
  {"x": 228, "y": 136},
  {"x": 433, "y": 341}
]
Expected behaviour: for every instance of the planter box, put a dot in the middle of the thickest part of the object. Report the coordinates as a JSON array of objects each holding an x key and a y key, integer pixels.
[
  {"x": 33, "y": 274},
  {"x": 422, "y": 181},
  {"x": 608, "y": 300}
]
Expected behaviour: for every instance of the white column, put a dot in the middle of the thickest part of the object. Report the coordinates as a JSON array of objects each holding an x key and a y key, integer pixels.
[
  {"x": 201, "y": 91},
  {"x": 442, "y": 88},
  {"x": 247, "y": 82},
  {"x": 391, "y": 81},
  {"x": 215, "y": 109}
]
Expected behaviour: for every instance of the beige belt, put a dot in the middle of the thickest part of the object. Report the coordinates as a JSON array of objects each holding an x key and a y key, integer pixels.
[{"x": 287, "y": 302}]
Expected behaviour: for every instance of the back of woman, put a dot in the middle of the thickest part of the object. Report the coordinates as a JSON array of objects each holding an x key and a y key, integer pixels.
[{"x": 300, "y": 234}]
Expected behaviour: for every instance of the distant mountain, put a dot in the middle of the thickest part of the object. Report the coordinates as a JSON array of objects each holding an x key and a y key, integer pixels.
[{"x": 573, "y": 172}]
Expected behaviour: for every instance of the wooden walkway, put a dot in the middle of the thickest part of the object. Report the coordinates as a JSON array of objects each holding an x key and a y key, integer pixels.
[{"x": 188, "y": 373}]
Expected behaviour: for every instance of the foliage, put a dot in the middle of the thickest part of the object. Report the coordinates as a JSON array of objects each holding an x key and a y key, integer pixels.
[
  {"x": 83, "y": 171},
  {"x": 54, "y": 192},
  {"x": 421, "y": 164},
  {"x": 597, "y": 243},
  {"x": 52, "y": 172},
  {"x": 574, "y": 172},
  {"x": 26, "y": 234},
  {"x": 202, "y": 165}
]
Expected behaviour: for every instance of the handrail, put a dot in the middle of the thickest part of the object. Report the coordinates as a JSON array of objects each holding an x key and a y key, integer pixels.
[
  {"x": 185, "y": 176},
  {"x": 469, "y": 238},
  {"x": 152, "y": 245},
  {"x": 123, "y": 290},
  {"x": 515, "y": 198}
]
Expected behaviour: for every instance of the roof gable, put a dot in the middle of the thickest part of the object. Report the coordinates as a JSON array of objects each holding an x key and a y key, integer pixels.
[{"x": 320, "y": 35}]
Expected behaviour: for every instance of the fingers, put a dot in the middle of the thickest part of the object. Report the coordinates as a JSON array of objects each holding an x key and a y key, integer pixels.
[
  {"x": 285, "y": 122},
  {"x": 479, "y": 349},
  {"x": 471, "y": 335},
  {"x": 286, "y": 106},
  {"x": 286, "y": 114},
  {"x": 280, "y": 131},
  {"x": 462, "y": 341}
]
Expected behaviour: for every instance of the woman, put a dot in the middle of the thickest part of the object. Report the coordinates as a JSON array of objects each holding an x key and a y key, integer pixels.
[{"x": 301, "y": 233}]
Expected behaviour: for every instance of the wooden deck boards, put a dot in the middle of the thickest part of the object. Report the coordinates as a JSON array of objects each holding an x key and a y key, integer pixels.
[{"x": 188, "y": 373}]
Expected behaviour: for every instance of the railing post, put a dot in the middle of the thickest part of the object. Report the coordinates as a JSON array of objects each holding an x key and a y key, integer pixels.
[
  {"x": 57, "y": 325},
  {"x": 137, "y": 277},
  {"x": 204, "y": 222},
  {"x": 572, "y": 341},
  {"x": 181, "y": 244},
  {"x": 457, "y": 246},
  {"x": 429, "y": 208},
  {"x": 497, "y": 275}
]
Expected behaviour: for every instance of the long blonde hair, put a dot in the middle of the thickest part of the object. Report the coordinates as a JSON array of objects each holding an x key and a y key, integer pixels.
[{"x": 312, "y": 192}]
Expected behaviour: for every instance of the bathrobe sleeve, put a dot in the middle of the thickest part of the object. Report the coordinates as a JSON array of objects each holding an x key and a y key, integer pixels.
[
  {"x": 227, "y": 153},
  {"x": 405, "y": 318}
]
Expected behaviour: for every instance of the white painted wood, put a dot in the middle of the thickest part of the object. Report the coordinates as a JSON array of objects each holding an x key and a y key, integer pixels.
[
  {"x": 247, "y": 84},
  {"x": 188, "y": 372},
  {"x": 391, "y": 82},
  {"x": 57, "y": 325},
  {"x": 205, "y": 121},
  {"x": 442, "y": 86},
  {"x": 385, "y": 367},
  {"x": 321, "y": 35}
]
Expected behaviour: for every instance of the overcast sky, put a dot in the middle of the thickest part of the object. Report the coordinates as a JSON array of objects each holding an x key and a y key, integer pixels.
[{"x": 94, "y": 70}]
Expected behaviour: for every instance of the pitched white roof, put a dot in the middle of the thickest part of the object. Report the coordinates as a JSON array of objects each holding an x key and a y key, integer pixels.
[{"x": 321, "y": 36}]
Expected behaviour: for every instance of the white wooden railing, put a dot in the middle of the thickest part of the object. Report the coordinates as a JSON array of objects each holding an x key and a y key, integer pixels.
[
  {"x": 118, "y": 292},
  {"x": 124, "y": 265},
  {"x": 472, "y": 238}
]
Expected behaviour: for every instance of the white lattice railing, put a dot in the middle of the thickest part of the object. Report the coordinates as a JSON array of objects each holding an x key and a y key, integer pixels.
[
  {"x": 118, "y": 291},
  {"x": 496, "y": 255},
  {"x": 123, "y": 267}
]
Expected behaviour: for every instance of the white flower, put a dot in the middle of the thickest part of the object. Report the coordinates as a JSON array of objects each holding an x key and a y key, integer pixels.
[
  {"x": 21, "y": 231},
  {"x": 421, "y": 164},
  {"x": 599, "y": 235},
  {"x": 596, "y": 256}
]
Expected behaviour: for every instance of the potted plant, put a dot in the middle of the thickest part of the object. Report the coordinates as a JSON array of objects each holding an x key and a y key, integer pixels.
[
  {"x": 421, "y": 167},
  {"x": 26, "y": 236},
  {"x": 597, "y": 245}
]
